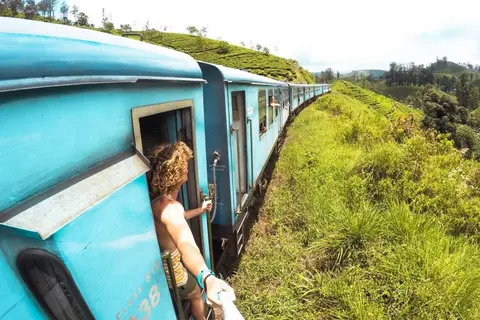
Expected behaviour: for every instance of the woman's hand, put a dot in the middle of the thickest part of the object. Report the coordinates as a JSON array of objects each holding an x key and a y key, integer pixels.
[
  {"x": 207, "y": 206},
  {"x": 214, "y": 286}
]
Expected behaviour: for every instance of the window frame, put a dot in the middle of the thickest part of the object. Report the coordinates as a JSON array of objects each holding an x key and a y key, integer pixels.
[
  {"x": 271, "y": 92},
  {"x": 277, "y": 93},
  {"x": 260, "y": 133}
]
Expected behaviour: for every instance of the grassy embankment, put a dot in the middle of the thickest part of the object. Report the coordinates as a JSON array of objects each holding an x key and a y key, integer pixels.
[{"x": 366, "y": 217}]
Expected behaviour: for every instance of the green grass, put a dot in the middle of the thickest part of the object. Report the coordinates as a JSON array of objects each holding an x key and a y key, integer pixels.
[{"x": 366, "y": 217}]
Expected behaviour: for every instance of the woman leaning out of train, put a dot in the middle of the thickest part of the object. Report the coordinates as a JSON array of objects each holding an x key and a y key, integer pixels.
[{"x": 169, "y": 171}]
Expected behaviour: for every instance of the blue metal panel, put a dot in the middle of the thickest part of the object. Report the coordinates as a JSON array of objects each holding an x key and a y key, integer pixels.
[
  {"x": 117, "y": 268},
  {"x": 33, "y": 49},
  {"x": 216, "y": 120},
  {"x": 50, "y": 135}
]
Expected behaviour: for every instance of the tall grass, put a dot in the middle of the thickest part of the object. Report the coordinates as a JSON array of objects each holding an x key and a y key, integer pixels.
[{"x": 366, "y": 217}]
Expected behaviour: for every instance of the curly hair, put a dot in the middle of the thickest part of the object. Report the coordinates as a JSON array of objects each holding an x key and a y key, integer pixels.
[{"x": 167, "y": 167}]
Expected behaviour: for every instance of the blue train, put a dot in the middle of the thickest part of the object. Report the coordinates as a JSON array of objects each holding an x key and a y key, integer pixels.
[{"x": 79, "y": 109}]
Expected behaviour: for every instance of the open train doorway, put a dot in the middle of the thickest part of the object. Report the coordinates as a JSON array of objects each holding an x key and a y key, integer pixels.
[
  {"x": 166, "y": 124},
  {"x": 238, "y": 130}
]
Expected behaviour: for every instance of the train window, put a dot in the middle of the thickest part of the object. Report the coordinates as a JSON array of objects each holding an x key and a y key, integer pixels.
[
  {"x": 52, "y": 285},
  {"x": 271, "y": 107},
  {"x": 278, "y": 101},
  {"x": 262, "y": 112}
]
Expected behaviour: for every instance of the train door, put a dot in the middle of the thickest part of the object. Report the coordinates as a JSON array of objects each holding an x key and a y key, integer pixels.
[
  {"x": 239, "y": 132},
  {"x": 154, "y": 127}
]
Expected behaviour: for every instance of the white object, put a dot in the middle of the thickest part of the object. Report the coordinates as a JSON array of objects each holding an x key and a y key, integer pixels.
[{"x": 230, "y": 311}]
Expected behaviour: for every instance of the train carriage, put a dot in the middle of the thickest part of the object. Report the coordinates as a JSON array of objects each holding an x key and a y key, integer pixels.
[
  {"x": 78, "y": 112},
  {"x": 246, "y": 114}
]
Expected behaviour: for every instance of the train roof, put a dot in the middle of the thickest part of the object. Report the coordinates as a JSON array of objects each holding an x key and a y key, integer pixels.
[
  {"x": 40, "y": 54},
  {"x": 240, "y": 76}
]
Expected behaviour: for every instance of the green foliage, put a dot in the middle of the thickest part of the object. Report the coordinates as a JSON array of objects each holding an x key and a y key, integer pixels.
[
  {"x": 125, "y": 28},
  {"x": 82, "y": 19},
  {"x": 193, "y": 30},
  {"x": 325, "y": 76},
  {"x": 467, "y": 94},
  {"x": 366, "y": 217},
  {"x": 466, "y": 137},
  {"x": 399, "y": 93},
  {"x": 224, "y": 47},
  {"x": 474, "y": 119}
]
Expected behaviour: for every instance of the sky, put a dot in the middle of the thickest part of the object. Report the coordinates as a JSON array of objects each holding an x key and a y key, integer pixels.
[{"x": 344, "y": 35}]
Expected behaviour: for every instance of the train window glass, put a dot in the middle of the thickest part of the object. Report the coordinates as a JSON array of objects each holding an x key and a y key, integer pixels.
[
  {"x": 52, "y": 285},
  {"x": 271, "y": 107},
  {"x": 262, "y": 112},
  {"x": 278, "y": 101}
]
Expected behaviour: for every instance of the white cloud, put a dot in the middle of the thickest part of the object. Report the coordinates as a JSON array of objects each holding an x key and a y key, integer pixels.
[{"x": 344, "y": 35}]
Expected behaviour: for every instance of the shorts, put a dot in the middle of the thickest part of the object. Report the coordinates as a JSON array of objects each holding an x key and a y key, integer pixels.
[{"x": 188, "y": 287}]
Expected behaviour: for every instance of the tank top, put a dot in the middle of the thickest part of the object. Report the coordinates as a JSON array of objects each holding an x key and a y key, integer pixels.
[{"x": 180, "y": 273}]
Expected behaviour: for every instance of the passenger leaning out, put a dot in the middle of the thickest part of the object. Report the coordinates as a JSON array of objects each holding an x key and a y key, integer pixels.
[{"x": 169, "y": 171}]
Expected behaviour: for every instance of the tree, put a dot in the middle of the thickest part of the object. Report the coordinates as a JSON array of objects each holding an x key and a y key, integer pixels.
[
  {"x": 147, "y": 26},
  {"x": 466, "y": 137},
  {"x": 467, "y": 94},
  {"x": 31, "y": 9},
  {"x": 266, "y": 50},
  {"x": 203, "y": 32},
  {"x": 43, "y": 7},
  {"x": 258, "y": 47},
  {"x": 125, "y": 28},
  {"x": 193, "y": 30},
  {"x": 474, "y": 119},
  {"x": 64, "y": 9},
  {"x": 338, "y": 75},
  {"x": 52, "y": 4},
  {"x": 82, "y": 19},
  {"x": 107, "y": 25},
  {"x": 16, "y": 6},
  {"x": 75, "y": 13},
  {"x": 242, "y": 43},
  {"x": 328, "y": 74},
  {"x": 223, "y": 48}
]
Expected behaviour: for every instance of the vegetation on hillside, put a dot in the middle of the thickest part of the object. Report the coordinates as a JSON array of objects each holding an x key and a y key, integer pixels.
[
  {"x": 259, "y": 61},
  {"x": 223, "y": 53},
  {"x": 445, "y": 91},
  {"x": 367, "y": 216}
]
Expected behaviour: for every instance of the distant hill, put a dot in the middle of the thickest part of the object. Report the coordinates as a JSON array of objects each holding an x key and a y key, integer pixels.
[
  {"x": 229, "y": 55},
  {"x": 451, "y": 68},
  {"x": 376, "y": 73}
]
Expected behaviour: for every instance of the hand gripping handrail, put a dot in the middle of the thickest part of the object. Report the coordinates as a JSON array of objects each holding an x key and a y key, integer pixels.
[{"x": 230, "y": 311}]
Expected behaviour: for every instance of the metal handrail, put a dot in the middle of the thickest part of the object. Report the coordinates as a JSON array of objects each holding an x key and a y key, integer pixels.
[
  {"x": 251, "y": 152},
  {"x": 125, "y": 35}
]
